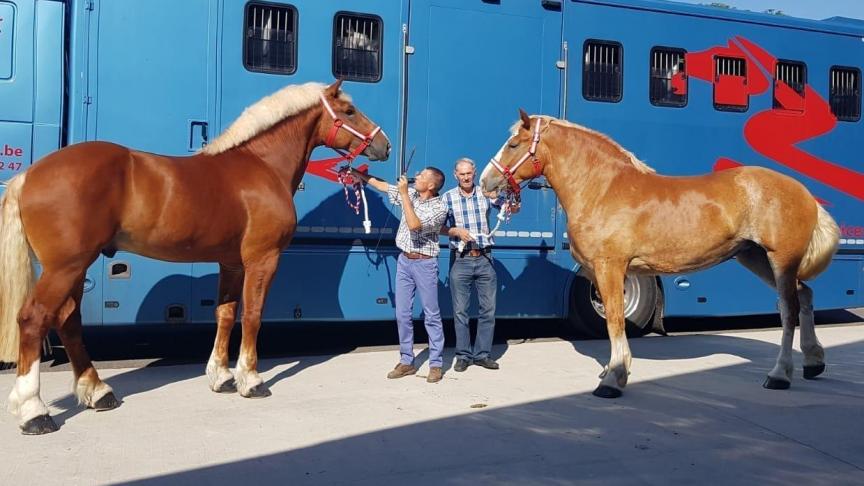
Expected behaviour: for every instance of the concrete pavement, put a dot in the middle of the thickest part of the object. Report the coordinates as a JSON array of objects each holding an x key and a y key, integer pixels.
[{"x": 694, "y": 411}]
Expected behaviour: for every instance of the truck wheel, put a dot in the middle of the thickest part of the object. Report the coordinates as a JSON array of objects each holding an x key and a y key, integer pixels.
[{"x": 588, "y": 317}]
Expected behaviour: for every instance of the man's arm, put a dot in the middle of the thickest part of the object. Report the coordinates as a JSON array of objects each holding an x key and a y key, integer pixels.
[
  {"x": 375, "y": 182},
  {"x": 457, "y": 232},
  {"x": 411, "y": 219}
]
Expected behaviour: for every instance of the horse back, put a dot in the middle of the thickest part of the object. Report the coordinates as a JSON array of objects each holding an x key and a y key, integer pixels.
[
  {"x": 204, "y": 203},
  {"x": 669, "y": 224}
]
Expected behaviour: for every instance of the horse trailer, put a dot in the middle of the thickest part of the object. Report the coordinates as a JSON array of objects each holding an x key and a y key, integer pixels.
[{"x": 688, "y": 89}]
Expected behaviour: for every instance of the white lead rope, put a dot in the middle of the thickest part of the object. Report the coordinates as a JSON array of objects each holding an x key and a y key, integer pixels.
[
  {"x": 502, "y": 216},
  {"x": 367, "y": 223}
]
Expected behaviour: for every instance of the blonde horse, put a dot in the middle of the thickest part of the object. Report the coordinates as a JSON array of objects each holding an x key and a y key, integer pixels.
[
  {"x": 233, "y": 203},
  {"x": 622, "y": 217}
]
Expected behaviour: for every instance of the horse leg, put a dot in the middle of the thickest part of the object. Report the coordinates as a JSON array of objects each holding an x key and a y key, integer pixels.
[
  {"x": 610, "y": 282},
  {"x": 90, "y": 390},
  {"x": 779, "y": 378},
  {"x": 258, "y": 275},
  {"x": 814, "y": 354},
  {"x": 230, "y": 287},
  {"x": 784, "y": 280},
  {"x": 34, "y": 319}
]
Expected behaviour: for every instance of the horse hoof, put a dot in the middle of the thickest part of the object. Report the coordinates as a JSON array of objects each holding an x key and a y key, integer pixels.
[
  {"x": 258, "y": 391},
  {"x": 604, "y": 391},
  {"x": 42, "y": 424},
  {"x": 107, "y": 402},
  {"x": 775, "y": 384},
  {"x": 229, "y": 386},
  {"x": 813, "y": 371}
]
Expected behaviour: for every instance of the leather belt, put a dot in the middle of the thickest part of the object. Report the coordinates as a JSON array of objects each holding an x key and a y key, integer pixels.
[
  {"x": 476, "y": 252},
  {"x": 415, "y": 256}
]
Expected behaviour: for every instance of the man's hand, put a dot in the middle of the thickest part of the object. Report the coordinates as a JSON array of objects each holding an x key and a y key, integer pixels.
[
  {"x": 403, "y": 184},
  {"x": 463, "y": 234},
  {"x": 515, "y": 207},
  {"x": 491, "y": 195}
]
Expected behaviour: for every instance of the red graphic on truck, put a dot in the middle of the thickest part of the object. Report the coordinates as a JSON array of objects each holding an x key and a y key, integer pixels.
[{"x": 773, "y": 133}]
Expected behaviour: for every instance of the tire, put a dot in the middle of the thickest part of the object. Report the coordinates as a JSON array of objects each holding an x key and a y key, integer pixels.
[{"x": 586, "y": 308}]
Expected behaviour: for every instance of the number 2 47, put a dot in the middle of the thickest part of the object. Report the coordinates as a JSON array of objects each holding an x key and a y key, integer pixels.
[{"x": 10, "y": 165}]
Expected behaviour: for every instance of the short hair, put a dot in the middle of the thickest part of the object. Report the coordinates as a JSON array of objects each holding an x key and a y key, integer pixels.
[
  {"x": 438, "y": 176},
  {"x": 464, "y": 160}
]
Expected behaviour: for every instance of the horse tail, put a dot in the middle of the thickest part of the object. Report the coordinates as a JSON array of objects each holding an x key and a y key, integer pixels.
[
  {"x": 823, "y": 245},
  {"x": 16, "y": 268}
]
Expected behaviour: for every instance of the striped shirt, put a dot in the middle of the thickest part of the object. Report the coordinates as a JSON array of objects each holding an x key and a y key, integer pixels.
[
  {"x": 469, "y": 212},
  {"x": 431, "y": 213}
]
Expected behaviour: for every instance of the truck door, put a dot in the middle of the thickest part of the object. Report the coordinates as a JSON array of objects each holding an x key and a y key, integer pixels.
[
  {"x": 468, "y": 75},
  {"x": 151, "y": 73}
]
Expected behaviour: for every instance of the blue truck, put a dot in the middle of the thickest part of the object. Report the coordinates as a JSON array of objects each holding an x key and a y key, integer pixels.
[{"x": 688, "y": 89}]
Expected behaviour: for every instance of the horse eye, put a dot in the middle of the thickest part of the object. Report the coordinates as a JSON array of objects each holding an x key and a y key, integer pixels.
[{"x": 349, "y": 112}]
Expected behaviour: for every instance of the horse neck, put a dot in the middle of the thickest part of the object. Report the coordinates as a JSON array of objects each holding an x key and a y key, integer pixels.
[
  {"x": 578, "y": 170},
  {"x": 287, "y": 146}
]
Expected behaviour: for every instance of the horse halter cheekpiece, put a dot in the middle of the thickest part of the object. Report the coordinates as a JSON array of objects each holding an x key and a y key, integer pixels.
[{"x": 508, "y": 172}]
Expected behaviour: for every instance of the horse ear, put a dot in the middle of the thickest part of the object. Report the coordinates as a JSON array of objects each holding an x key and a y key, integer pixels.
[
  {"x": 333, "y": 89},
  {"x": 526, "y": 120}
]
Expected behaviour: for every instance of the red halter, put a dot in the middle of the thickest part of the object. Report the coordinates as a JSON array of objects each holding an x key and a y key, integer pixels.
[
  {"x": 508, "y": 172},
  {"x": 337, "y": 124}
]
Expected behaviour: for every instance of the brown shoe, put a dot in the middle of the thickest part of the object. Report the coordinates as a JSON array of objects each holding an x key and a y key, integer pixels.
[
  {"x": 435, "y": 375},
  {"x": 401, "y": 370}
]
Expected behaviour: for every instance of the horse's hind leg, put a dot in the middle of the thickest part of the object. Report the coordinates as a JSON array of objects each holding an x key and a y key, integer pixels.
[
  {"x": 780, "y": 376},
  {"x": 230, "y": 288},
  {"x": 610, "y": 281},
  {"x": 39, "y": 313},
  {"x": 258, "y": 276},
  {"x": 90, "y": 390},
  {"x": 796, "y": 303},
  {"x": 814, "y": 354}
]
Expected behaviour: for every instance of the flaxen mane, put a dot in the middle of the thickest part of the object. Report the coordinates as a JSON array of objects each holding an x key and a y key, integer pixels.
[
  {"x": 638, "y": 164},
  {"x": 267, "y": 112}
]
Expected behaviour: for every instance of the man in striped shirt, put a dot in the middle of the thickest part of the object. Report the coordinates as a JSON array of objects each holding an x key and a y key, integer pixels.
[
  {"x": 423, "y": 212},
  {"x": 467, "y": 220}
]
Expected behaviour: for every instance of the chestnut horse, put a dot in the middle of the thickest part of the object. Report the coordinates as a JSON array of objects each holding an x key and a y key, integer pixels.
[
  {"x": 231, "y": 203},
  {"x": 622, "y": 217}
]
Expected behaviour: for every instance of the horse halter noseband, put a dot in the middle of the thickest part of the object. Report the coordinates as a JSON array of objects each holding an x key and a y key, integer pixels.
[
  {"x": 337, "y": 124},
  {"x": 508, "y": 172}
]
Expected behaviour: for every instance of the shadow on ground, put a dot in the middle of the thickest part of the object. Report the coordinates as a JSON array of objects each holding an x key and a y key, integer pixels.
[{"x": 714, "y": 425}]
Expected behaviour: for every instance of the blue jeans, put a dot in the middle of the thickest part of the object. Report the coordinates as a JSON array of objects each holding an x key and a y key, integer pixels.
[
  {"x": 418, "y": 277},
  {"x": 479, "y": 272}
]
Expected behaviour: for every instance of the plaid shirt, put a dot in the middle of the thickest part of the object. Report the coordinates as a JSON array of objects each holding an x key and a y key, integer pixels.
[
  {"x": 431, "y": 213},
  {"x": 469, "y": 212}
]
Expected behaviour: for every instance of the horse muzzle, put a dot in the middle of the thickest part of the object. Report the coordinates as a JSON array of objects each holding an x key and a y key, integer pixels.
[{"x": 379, "y": 149}]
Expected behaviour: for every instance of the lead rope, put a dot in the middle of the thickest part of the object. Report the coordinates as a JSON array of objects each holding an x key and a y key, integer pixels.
[
  {"x": 359, "y": 196},
  {"x": 503, "y": 216}
]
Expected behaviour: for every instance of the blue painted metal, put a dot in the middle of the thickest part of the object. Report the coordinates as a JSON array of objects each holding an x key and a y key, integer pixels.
[
  {"x": 688, "y": 140},
  {"x": 7, "y": 33},
  {"x": 151, "y": 74}
]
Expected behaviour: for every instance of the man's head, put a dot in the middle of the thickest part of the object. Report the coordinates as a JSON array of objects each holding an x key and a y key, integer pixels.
[
  {"x": 430, "y": 179},
  {"x": 464, "y": 173}
]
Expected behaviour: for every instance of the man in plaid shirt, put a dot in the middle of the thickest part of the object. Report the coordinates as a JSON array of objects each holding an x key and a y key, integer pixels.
[
  {"x": 467, "y": 220},
  {"x": 423, "y": 213}
]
